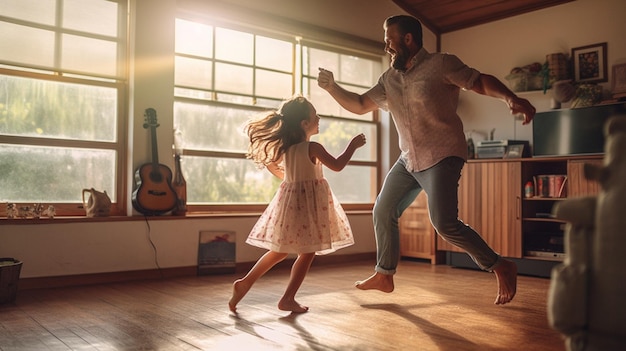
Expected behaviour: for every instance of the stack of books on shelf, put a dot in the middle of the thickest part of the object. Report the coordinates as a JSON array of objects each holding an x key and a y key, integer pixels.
[{"x": 550, "y": 185}]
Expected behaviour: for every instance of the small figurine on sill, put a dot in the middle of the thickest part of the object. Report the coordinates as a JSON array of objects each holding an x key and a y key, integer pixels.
[
  {"x": 11, "y": 211},
  {"x": 36, "y": 211},
  {"x": 50, "y": 212}
]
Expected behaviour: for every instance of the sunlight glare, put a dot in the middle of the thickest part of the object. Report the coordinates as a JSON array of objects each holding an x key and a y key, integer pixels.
[{"x": 194, "y": 38}]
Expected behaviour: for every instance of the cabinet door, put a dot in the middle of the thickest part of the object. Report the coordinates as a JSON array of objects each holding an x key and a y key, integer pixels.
[
  {"x": 490, "y": 196},
  {"x": 416, "y": 232},
  {"x": 578, "y": 184}
]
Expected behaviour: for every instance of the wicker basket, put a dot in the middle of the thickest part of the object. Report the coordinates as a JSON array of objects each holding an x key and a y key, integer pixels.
[
  {"x": 525, "y": 81},
  {"x": 557, "y": 67},
  {"x": 9, "y": 276}
]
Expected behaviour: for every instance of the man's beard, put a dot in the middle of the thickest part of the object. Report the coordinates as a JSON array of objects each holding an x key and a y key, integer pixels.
[{"x": 401, "y": 58}]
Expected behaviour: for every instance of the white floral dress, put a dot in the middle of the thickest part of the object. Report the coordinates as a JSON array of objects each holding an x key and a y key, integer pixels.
[{"x": 304, "y": 215}]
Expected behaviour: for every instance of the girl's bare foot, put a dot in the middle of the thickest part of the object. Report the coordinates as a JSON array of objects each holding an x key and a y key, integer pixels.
[
  {"x": 239, "y": 291},
  {"x": 506, "y": 276},
  {"x": 378, "y": 281},
  {"x": 292, "y": 306}
]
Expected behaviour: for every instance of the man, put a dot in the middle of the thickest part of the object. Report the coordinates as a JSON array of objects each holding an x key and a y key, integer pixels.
[{"x": 421, "y": 90}]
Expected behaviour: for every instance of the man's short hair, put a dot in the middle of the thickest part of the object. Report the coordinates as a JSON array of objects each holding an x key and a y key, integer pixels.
[{"x": 406, "y": 24}]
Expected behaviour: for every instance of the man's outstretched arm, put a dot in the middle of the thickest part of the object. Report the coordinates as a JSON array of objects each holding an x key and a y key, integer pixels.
[
  {"x": 353, "y": 102},
  {"x": 490, "y": 86}
]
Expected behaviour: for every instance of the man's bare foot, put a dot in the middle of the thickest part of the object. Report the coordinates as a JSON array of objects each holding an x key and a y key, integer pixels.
[
  {"x": 506, "y": 276},
  {"x": 378, "y": 281},
  {"x": 292, "y": 306},
  {"x": 239, "y": 291}
]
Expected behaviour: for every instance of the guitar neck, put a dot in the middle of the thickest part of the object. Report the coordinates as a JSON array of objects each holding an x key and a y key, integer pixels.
[{"x": 155, "y": 147}]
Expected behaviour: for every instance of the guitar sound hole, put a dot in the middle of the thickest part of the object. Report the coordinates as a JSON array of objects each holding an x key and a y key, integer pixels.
[{"x": 156, "y": 177}]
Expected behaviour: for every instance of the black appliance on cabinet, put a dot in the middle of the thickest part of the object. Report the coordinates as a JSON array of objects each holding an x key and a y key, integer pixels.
[{"x": 578, "y": 131}]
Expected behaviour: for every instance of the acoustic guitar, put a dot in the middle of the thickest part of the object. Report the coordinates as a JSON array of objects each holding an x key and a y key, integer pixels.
[{"x": 154, "y": 194}]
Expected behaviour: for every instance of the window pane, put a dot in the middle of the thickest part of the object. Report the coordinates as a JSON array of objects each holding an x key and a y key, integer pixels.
[
  {"x": 346, "y": 68},
  {"x": 359, "y": 71},
  {"x": 273, "y": 53},
  {"x": 335, "y": 135},
  {"x": 212, "y": 128},
  {"x": 193, "y": 73},
  {"x": 39, "y": 11},
  {"x": 194, "y": 38},
  {"x": 234, "y": 46},
  {"x": 26, "y": 46},
  {"x": 92, "y": 16},
  {"x": 272, "y": 84},
  {"x": 231, "y": 78},
  {"x": 89, "y": 55},
  {"x": 316, "y": 58},
  {"x": 40, "y": 108},
  {"x": 326, "y": 105},
  {"x": 354, "y": 184},
  {"x": 227, "y": 181},
  {"x": 50, "y": 174}
]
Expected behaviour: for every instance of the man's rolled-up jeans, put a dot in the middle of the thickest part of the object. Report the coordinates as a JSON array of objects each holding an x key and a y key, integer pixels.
[{"x": 440, "y": 183}]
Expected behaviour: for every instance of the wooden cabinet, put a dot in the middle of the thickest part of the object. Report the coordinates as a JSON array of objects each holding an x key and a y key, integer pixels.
[
  {"x": 417, "y": 235},
  {"x": 578, "y": 184},
  {"x": 490, "y": 202}
]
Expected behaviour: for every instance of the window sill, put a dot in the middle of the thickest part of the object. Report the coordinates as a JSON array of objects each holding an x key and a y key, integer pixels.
[{"x": 195, "y": 215}]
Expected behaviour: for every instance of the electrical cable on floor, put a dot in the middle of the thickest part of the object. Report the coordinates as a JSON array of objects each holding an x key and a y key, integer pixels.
[{"x": 154, "y": 248}]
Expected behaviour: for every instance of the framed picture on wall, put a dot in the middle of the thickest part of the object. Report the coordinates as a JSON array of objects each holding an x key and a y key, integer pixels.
[
  {"x": 590, "y": 63},
  {"x": 619, "y": 79}
]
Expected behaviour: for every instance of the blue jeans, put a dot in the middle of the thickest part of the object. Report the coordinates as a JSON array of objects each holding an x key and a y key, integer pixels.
[{"x": 440, "y": 183}]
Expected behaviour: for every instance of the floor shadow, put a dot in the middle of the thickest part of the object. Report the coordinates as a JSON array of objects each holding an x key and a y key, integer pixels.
[
  {"x": 435, "y": 332},
  {"x": 304, "y": 334},
  {"x": 246, "y": 326}
]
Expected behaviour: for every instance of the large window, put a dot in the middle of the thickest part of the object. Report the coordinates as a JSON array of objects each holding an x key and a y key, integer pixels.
[
  {"x": 226, "y": 75},
  {"x": 62, "y": 83}
]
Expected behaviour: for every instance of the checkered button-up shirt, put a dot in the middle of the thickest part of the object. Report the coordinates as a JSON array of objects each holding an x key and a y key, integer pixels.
[{"x": 423, "y": 103}]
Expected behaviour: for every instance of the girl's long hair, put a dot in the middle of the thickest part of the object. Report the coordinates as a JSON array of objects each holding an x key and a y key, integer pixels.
[{"x": 271, "y": 135}]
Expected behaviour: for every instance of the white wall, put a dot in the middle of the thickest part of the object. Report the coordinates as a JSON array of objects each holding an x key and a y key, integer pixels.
[
  {"x": 497, "y": 47},
  {"x": 84, "y": 248}
]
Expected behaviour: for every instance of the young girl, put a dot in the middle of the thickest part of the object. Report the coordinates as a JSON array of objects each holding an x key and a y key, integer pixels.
[{"x": 304, "y": 217}]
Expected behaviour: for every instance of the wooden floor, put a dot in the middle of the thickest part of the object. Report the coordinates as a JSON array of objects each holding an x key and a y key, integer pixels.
[{"x": 432, "y": 308}]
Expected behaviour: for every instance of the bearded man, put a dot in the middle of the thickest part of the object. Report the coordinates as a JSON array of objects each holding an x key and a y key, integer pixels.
[{"x": 421, "y": 91}]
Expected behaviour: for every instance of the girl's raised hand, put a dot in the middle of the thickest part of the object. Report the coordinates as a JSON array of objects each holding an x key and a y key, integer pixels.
[
  {"x": 358, "y": 141},
  {"x": 316, "y": 150}
]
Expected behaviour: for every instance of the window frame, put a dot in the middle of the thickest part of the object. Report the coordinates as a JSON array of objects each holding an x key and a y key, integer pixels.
[
  {"x": 299, "y": 78},
  {"x": 56, "y": 73}
]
